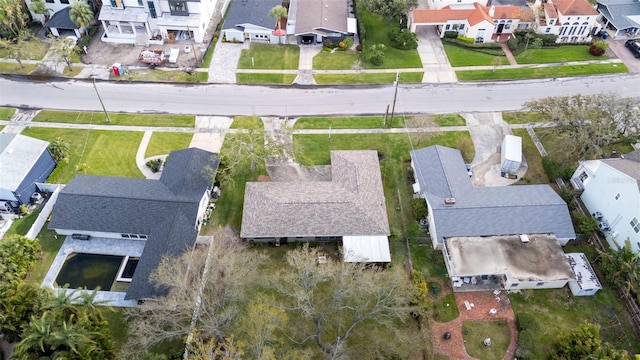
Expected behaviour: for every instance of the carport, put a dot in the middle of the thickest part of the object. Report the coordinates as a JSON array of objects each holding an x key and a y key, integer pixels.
[{"x": 62, "y": 21}]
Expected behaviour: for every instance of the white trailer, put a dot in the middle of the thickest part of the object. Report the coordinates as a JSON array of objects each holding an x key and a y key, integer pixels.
[{"x": 511, "y": 154}]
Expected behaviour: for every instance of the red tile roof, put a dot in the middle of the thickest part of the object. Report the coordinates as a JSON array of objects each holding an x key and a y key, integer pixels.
[
  {"x": 574, "y": 7},
  {"x": 473, "y": 16}
]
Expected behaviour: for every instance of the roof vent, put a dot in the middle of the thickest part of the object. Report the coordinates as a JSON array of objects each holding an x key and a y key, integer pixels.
[
  {"x": 449, "y": 201},
  {"x": 524, "y": 238}
]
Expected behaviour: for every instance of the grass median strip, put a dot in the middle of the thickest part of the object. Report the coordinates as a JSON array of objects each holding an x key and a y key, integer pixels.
[
  {"x": 77, "y": 117},
  {"x": 274, "y": 79},
  {"x": 541, "y": 72},
  {"x": 368, "y": 78},
  {"x": 6, "y": 113},
  {"x": 156, "y": 75}
]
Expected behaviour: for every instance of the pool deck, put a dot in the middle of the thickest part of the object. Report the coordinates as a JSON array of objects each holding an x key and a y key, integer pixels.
[{"x": 101, "y": 246}]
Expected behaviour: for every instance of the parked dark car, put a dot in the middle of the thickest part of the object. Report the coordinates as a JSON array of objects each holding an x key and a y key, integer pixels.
[{"x": 634, "y": 47}]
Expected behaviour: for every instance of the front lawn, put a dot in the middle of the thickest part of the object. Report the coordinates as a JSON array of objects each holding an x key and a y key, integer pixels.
[
  {"x": 557, "y": 54},
  {"x": 377, "y": 33},
  {"x": 560, "y": 147},
  {"x": 337, "y": 60},
  {"x": 475, "y": 332},
  {"x": 368, "y": 78},
  {"x": 33, "y": 49},
  {"x": 96, "y": 152},
  {"x": 274, "y": 79},
  {"x": 6, "y": 113},
  {"x": 163, "y": 143},
  {"x": 78, "y": 117},
  {"x": 459, "y": 56},
  {"x": 266, "y": 56},
  {"x": 541, "y": 72}
]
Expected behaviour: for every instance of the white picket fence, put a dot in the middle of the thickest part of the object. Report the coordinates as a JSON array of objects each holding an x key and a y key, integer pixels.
[{"x": 44, "y": 214}]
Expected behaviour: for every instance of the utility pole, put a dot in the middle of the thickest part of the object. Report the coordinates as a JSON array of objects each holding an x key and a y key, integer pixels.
[
  {"x": 101, "y": 103},
  {"x": 384, "y": 123},
  {"x": 395, "y": 96}
]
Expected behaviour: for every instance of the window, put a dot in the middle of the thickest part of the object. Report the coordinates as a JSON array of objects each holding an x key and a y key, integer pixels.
[
  {"x": 178, "y": 8},
  {"x": 64, "y": 1},
  {"x": 134, "y": 236},
  {"x": 152, "y": 9},
  {"x": 617, "y": 196},
  {"x": 124, "y": 236},
  {"x": 140, "y": 3},
  {"x": 447, "y": 27},
  {"x": 461, "y": 26},
  {"x": 635, "y": 225},
  {"x": 49, "y": 1},
  {"x": 514, "y": 285},
  {"x": 117, "y": 4},
  {"x": 142, "y": 236},
  {"x": 551, "y": 22},
  {"x": 540, "y": 284},
  {"x": 547, "y": 30},
  {"x": 507, "y": 27}
]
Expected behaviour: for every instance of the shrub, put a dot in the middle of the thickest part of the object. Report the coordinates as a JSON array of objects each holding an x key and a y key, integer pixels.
[
  {"x": 586, "y": 223},
  {"x": 513, "y": 43},
  {"x": 348, "y": 42},
  {"x": 598, "y": 48},
  {"x": 420, "y": 286},
  {"x": 402, "y": 39},
  {"x": 154, "y": 165},
  {"x": 450, "y": 34},
  {"x": 554, "y": 169},
  {"x": 465, "y": 39},
  {"x": 376, "y": 54},
  {"x": 359, "y": 47},
  {"x": 420, "y": 208},
  {"x": 341, "y": 44},
  {"x": 330, "y": 44}
]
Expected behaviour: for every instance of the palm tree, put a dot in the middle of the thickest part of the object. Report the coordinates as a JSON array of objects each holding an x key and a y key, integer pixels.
[
  {"x": 279, "y": 12},
  {"x": 81, "y": 14},
  {"x": 13, "y": 18},
  {"x": 40, "y": 8},
  {"x": 59, "y": 149}
]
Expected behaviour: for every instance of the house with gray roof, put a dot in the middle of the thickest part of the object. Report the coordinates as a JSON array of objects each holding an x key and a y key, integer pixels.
[
  {"x": 249, "y": 20},
  {"x": 611, "y": 191},
  {"x": 622, "y": 15},
  {"x": 350, "y": 208},
  {"x": 165, "y": 214},
  {"x": 317, "y": 20},
  {"x": 457, "y": 209},
  {"x": 24, "y": 162}
]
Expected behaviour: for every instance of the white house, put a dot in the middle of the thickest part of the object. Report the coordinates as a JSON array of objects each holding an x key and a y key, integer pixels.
[
  {"x": 249, "y": 20},
  {"x": 144, "y": 22},
  {"x": 611, "y": 191},
  {"x": 571, "y": 20}
]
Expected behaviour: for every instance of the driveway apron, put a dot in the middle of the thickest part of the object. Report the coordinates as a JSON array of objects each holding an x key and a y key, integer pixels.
[
  {"x": 224, "y": 62},
  {"x": 434, "y": 60}
]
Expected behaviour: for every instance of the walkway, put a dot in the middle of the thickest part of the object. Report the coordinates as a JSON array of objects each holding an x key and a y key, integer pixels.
[{"x": 435, "y": 63}]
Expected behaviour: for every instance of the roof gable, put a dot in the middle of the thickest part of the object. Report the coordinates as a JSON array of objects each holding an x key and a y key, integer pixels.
[
  {"x": 316, "y": 15},
  {"x": 254, "y": 12},
  {"x": 18, "y": 154}
]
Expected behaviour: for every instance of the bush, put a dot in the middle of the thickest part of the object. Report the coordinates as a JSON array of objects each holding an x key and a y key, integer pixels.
[
  {"x": 466, "y": 40},
  {"x": 348, "y": 42},
  {"x": 586, "y": 223},
  {"x": 329, "y": 43},
  {"x": 420, "y": 210},
  {"x": 359, "y": 47},
  {"x": 376, "y": 54},
  {"x": 513, "y": 43},
  {"x": 554, "y": 169},
  {"x": 598, "y": 48},
  {"x": 402, "y": 39},
  {"x": 154, "y": 165},
  {"x": 450, "y": 34}
]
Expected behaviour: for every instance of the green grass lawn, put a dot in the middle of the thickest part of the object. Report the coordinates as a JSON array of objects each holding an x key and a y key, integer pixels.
[
  {"x": 337, "y": 60},
  {"x": 459, "y": 56},
  {"x": 377, "y": 33},
  {"x": 523, "y": 117},
  {"x": 162, "y": 143},
  {"x": 21, "y": 226},
  {"x": 50, "y": 243},
  {"x": 446, "y": 309},
  {"x": 375, "y": 78},
  {"x": 76, "y": 117},
  {"x": 14, "y": 68},
  {"x": 34, "y": 49},
  {"x": 247, "y": 122},
  {"x": 96, "y": 152},
  {"x": 266, "y": 56},
  {"x": 561, "y": 148},
  {"x": 6, "y": 113},
  {"x": 474, "y": 333},
  {"x": 535, "y": 173},
  {"x": 557, "y": 54},
  {"x": 353, "y": 122},
  {"x": 449, "y": 120},
  {"x": 208, "y": 55},
  {"x": 273, "y": 79},
  {"x": 541, "y": 72},
  {"x": 155, "y": 75}
]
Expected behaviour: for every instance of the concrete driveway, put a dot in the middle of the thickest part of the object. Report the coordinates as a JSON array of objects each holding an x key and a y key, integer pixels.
[
  {"x": 224, "y": 63},
  {"x": 618, "y": 48},
  {"x": 437, "y": 68}
]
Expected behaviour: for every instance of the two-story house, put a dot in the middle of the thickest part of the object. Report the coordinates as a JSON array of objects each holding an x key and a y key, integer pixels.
[
  {"x": 611, "y": 191},
  {"x": 571, "y": 20},
  {"x": 144, "y": 22}
]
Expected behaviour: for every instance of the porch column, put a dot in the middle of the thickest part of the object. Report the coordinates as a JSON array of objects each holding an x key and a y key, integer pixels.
[
  {"x": 104, "y": 26},
  {"x": 119, "y": 28},
  {"x": 146, "y": 26},
  {"x": 133, "y": 28}
]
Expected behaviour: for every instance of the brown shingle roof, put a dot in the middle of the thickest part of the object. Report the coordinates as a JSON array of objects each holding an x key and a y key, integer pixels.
[
  {"x": 321, "y": 16},
  {"x": 351, "y": 204}
]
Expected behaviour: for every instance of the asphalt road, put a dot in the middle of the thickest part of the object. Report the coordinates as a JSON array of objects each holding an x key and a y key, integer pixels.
[{"x": 298, "y": 101}]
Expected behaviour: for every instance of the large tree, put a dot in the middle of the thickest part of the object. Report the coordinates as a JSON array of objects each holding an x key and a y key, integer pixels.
[
  {"x": 337, "y": 301},
  {"x": 584, "y": 343},
  {"x": 389, "y": 9},
  {"x": 62, "y": 49},
  {"x": 206, "y": 289},
  {"x": 14, "y": 18},
  {"x": 279, "y": 12},
  {"x": 81, "y": 14},
  {"x": 591, "y": 122},
  {"x": 621, "y": 266}
]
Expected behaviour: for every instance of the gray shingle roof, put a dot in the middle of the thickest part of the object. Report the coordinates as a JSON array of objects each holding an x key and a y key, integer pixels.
[
  {"x": 18, "y": 154},
  {"x": 629, "y": 165},
  {"x": 620, "y": 12},
  {"x": 351, "y": 204},
  {"x": 254, "y": 12},
  {"x": 165, "y": 210},
  {"x": 61, "y": 20},
  {"x": 321, "y": 16},
  {"x": 485, "y": 211}
]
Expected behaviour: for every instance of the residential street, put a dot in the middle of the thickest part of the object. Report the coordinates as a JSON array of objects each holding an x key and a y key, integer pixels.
[{"x": 296, "y": 101}]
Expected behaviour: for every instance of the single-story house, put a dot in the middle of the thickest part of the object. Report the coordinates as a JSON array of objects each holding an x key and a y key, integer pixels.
[
  {"x": 511, "y": 262},
  {"x": 586, "y": 282},
  {"x": 611, "y": 191},
  {"x": 165, "y": 214},
  {"x": 457, "y": 209},
  {"x": 349, "y": 209},
  {"x": 249, "y": 20},
  {"x": 61, "y": 21},
  {"x": 317, "y": 20},
  {"x": 621, "y": 15},
  {"x": 24, "y": 162}
]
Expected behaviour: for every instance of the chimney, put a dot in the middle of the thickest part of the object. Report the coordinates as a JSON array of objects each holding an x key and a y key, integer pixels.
[{"x": 492, "y": 10}]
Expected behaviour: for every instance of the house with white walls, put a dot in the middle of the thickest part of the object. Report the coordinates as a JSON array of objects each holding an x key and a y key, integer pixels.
[
  {"x": 611, "y": 191},
  {"x": 144, "y": 22},
  {"x": 572, "y": 20}
]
